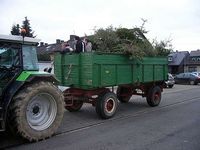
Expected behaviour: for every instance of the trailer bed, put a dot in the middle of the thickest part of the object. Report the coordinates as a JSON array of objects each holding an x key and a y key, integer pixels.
[{"x": 94, "y": 70}]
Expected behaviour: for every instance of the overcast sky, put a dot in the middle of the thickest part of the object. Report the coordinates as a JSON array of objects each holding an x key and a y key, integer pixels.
[{"x": 178, "y": 20}]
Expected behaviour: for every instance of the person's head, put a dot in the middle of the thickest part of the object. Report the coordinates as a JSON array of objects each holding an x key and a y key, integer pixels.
[{"x": 86, "y": 40}]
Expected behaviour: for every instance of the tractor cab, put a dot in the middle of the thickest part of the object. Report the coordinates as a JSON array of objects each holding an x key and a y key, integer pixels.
[{"x": 16, "y": 55}]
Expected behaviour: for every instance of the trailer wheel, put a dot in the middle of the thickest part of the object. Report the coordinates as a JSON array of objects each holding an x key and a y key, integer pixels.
[
  {"x": 154, "y": 96},
  {"x": 106, "y": 105},
  {"x": 76, "y": 106},
  {"x": 36, "y": 111},
  {"x": 126, "y": 94}
]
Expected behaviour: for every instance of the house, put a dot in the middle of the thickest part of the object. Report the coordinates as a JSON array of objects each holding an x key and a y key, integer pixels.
[
  {"x": 192, "y": 63},
  {"x": 176, "y": 61},
  {"x": 44, "y": 52},
  {"x": 48, "y": 48}
]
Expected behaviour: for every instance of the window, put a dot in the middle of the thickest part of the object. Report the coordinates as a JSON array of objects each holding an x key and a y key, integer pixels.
[
  {"x": 193, "y": 59},
  {"x": 29, "y": 57},
  {"x": 192, "y": 69},
  {"x": 9, "y": 54},
  {"x": 170, "y": 58}
]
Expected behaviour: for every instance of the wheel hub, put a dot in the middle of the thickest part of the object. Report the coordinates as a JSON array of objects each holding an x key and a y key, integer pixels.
[
  {"x": 36, "y": 110},
  {"x": 109, "y": 105},
  {"x": 156, "y": 97},
  {"x": 41, "y": 111}
]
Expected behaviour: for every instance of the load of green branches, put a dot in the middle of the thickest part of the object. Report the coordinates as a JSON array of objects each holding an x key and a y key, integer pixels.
[{"x": 128, "y": 41}]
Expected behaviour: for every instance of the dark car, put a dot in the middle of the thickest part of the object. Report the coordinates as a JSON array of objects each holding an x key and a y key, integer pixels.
[
  {"x": 187, "y": 78},
  {"x": 170, "y": 82}
]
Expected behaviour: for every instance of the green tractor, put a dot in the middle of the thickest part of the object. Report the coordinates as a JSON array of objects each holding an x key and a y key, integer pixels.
[{"x": 31, "y": 105}]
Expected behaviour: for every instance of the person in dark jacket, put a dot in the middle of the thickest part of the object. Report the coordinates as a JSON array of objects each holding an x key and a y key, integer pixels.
[{"x": 80, "y": 45}]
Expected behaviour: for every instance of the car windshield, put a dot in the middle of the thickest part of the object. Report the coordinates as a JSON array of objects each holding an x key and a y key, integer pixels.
[
  {"x": 29, "y": 57},
  {"x": 196, "y": 73},
  {"x": 9, "y": 55}
]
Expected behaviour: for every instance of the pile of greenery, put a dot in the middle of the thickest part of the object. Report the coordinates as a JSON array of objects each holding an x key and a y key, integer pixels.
[{"x": 128, "y": 41}]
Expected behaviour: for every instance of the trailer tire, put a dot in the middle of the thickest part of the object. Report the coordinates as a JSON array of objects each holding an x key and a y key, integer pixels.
[
  {"x": 106, "y": 105},
  {"x": 120, "y": 92},
  {"x": 154, "y": 96},
  {"x": 75, "y": 107},
  {"x": 36, "y": 111}
]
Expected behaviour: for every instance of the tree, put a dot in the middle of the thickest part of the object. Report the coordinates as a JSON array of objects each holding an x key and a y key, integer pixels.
[
  {"x": 27, "y": 27},
  {"x": 15, "y": 30},
  {"x": 163, "y": 48}
]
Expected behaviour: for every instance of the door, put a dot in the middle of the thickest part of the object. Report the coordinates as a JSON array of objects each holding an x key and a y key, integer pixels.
[{"x": 9, "y": 63}]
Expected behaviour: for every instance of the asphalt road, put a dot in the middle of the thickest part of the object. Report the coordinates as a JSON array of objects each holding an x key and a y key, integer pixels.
[{"x": 173, "y": 125}]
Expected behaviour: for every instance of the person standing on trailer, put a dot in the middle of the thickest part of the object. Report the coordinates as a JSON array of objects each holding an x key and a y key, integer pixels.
[
  {"x": 88, "y": 45},
  {"x": 80, "y": 45}
]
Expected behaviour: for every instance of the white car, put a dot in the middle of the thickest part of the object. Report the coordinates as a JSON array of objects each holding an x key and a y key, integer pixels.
[{"x": 170, "y": 82}]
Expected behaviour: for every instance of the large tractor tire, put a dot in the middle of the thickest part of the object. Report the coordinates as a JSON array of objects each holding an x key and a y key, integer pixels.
[
  {"x": 154, "y": 96},
  {"x": 36, "y": 111},
  {"x": 106, "y": 105}
]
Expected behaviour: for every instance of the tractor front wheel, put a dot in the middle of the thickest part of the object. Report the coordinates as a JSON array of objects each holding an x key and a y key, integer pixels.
[{"x": 36, "y": 111}]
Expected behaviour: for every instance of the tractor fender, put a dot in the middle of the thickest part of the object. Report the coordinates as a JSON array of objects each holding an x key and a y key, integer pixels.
[{"x": 43, "y": 77}]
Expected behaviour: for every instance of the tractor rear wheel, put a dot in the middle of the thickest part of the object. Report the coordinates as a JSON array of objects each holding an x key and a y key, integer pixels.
[{"x": 36, "y": 111}]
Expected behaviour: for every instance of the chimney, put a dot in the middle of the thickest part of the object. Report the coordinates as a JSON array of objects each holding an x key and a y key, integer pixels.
[
  {"x": 41, "y": 43},
  {"x": 46, "y": 44},
  {"x": 72, "y": 37},
  {"x": 58, "y": 41}
]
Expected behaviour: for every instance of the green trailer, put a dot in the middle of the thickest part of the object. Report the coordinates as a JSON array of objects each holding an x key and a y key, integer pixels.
[{"x": 90, "y": 77}]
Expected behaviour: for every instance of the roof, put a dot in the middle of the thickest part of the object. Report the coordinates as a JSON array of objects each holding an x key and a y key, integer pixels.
[
  {"x": 195, "y": 53},
  {"x": 46, "y": 49},
  {"x": 19, "y": 39},
  {"x": 178, "y": 57},
  {"x": 193, "y": 61}
]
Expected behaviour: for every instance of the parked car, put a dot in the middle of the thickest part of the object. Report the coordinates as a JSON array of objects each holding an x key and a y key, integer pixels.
[
  {"x": 170, "y": 82},
  {"x": 187, "y": 78}
]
